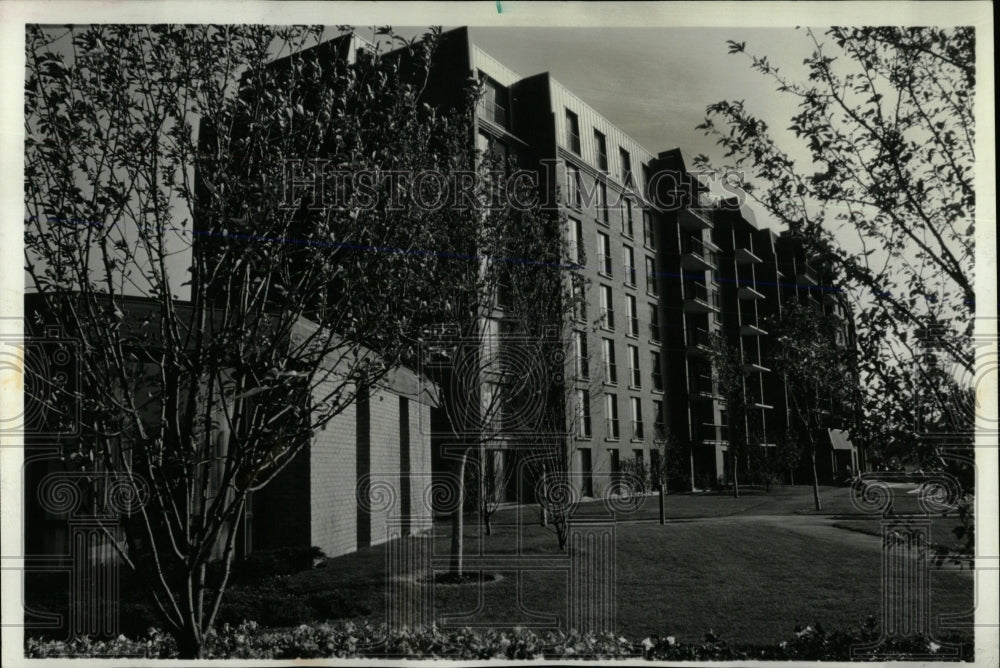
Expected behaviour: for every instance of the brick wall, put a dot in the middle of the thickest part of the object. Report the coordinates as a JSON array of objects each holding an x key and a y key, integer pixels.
[
  {"x": 332, "y": 488},
  {"x": 385, "y": 462}
]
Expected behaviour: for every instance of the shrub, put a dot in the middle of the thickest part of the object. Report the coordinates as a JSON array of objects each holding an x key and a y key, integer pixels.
[
  {"x": 263, "y": 564},
  {"x": 249, "y": 641}
]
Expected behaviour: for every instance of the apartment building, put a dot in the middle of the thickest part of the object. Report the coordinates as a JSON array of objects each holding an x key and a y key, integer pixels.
[
  {"x": 661, "y": 266},
  {"x": 666, "y": 269}
]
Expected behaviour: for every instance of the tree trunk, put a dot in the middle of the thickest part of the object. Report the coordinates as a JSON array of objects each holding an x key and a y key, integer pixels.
[
  {"x": 662, "y": 516},
  {"x": 736, "y": 478},
  {"x": 487, "y": 524},
  {"x": 189, "y": 642},
  {"x": 812, "y": 456},
  {"x": 458, "y": 519}
]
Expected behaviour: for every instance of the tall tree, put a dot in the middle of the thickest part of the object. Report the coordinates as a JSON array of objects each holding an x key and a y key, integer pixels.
[
  {"x": 297, "y": 304},
  {"x": 883, "y": 188},
  {"x": 819, "y": 374}
]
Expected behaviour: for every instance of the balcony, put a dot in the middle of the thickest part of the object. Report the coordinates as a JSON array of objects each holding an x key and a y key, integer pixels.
[
  {"x": 752, "y": 330},
  {"x": 493, "y": 112},
  {"x": 747, "y": 293},
  {"x": 706, "y": 432},
  {"x": 698, "y": 256},
  {"x": 694, "y": 220},
  {"x": 804, "y": 274},
  {"x": 755, "y": 399},
  {"x": 754, "y": 367},
  {"x": 703, "y": 387},
  {"x": 746, "y": 256},
  {"x": 699, "y": 341},
  {"x": 698, "y": 298},
  {"x": 638, "y": 432}
]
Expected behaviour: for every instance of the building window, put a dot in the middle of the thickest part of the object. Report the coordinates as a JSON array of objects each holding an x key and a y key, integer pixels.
[
  {"x": 576, "y": 248},
  {"x": 610, "y": 368},
  {"x": 583, "y": 397},
  {"x": 654, "y": 322},
  {"x": 628, "y": 228},
  {"x": 628, "y": 260},
  {"x": 604, "y": 254},
  {"x": 648, "y": 234},
  {"x": 626, "y": 160},
  {"x": 615, "y": 461},
  {"x": 573, "y": 194},
  {"x": 493, "y": 104},
  {"x": 602, "y": 201},
  {"x": 659, "y": 420},
  {"x": 572, "y": 132},
  {"x": 630, "y": 314},
  {"x": 634, "y": 374},
  {"x": 579, "y": 298},
  {"x": 657, "y": 373},
  {"x": 602, "y": 151},
  {"x": 607, "y": 308},
  {"x": 582, "y": 358},
  {"x": 637, "y": 430},
  {"x": 651, "y": 278},
  {"x": 611, "y": 413}
]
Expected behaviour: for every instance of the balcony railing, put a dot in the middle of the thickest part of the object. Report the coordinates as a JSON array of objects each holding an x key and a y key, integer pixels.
[
  {"x": 612, "y": 428},
  {"x": 630, "y": 275},
  {"x": 693, "y": 219},
  {"x": 583, "y": 367},
  {"x": 585, "y": 426},
  {"x": 633, "y": 326},
  {"x": 698, "y": 339},
  {"x": 635, "y": 376},
  {"x": 604, "y": 263},
  {"x": 700, "y": 298},
  {"x": 702, "y": 385},
  {"x": 654, "y": 331},
  {"x": 706, "y": 432},
  {"x": 804, "y": 274},
  {"x": 746, "y": 256},
  {"x": 698, "y": 256},
  {"x": 492, "y": 111},
  {"x": 638, "y": 432}
]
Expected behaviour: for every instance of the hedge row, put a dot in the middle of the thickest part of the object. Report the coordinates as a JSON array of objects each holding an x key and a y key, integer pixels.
[{"x": 250, "y": 641}]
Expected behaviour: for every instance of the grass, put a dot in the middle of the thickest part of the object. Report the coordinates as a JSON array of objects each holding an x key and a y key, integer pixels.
[
  {"x": 746, "y": 573},
  {"x": 749, "y": 569}
]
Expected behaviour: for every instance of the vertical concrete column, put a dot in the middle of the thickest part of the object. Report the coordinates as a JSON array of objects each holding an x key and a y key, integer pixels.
[
  {"x": 404, "y": 465},
  {"x": 363, "y": 467},
  {"x": 93, "y": 577},
  {"x": 592, "y": 576},
  {"x": 905, "y": 579},
  {"x": 408, "y": 601}
]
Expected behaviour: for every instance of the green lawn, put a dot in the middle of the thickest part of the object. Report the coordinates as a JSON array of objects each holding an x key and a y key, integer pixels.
[{"x": 744, "y": 571}]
